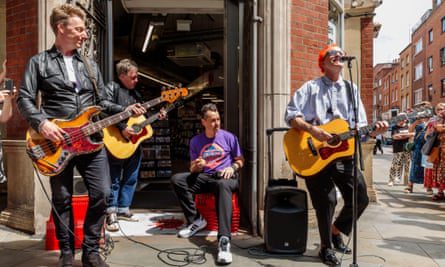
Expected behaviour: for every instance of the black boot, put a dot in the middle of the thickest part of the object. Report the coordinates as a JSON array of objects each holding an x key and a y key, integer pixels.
[
  {"x": 339, "y": 245},
  {"x": 327, "y": 255},
  {"x": 66, "y": 260},
  {"x": 93, "y": 260}
]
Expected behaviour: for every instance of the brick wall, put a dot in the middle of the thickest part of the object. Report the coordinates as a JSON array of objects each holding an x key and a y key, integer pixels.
[
  {"x": 367, "y": 48},
  {"x": 309, "y": 34},
  {"x": 21, "y": 44}
]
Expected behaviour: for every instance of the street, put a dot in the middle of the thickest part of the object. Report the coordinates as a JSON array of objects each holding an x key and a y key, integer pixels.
[{"x": 399, "y": 230}]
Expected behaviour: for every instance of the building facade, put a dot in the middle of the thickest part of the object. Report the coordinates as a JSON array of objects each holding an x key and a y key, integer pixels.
[
  {"x": 252, "y": 56},
  {"x": 428, "y": 56},
  {"x": 422, "y": 63},
  {"x": 386, "y": 91},
  {"x": 405, "y": 78}
]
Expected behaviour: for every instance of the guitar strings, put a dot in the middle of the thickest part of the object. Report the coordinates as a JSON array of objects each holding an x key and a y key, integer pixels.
[{"x": 79, "y": 134}]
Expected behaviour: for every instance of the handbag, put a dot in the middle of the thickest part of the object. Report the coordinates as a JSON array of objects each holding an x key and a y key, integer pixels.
[
  {"x": 429, "y": 144},
  {"x": 434, "y": 155},
  {"x": 409, "y": 146}
]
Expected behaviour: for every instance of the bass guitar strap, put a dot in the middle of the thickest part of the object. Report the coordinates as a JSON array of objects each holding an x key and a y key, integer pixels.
[{"x": 91, "y": 76}]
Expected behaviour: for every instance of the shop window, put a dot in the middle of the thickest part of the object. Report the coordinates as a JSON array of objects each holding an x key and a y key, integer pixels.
[
  {"x": 418, "y": 96},
  {"x": 407, "y": 79},
  {"x": 430, "y": 92},
  {"x": 442, "y": 87},
  {"x": 442, "y": 56},
  {"x": 430, "y": 64},
  {"x": 443, "y": 24},
  {"x": 418, "y": 74},
  {"x": 418, "y": 47}
]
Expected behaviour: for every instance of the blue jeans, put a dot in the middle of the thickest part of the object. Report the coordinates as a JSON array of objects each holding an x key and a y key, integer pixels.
[{"x": 124, "y": 177}]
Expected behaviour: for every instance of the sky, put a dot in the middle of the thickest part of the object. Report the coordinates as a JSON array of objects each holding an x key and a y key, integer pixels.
[{"x": 397, "y": 18}]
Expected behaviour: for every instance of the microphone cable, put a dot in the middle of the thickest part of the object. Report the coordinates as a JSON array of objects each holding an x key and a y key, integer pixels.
[
  {"x": 108, "y": 241},
  {"x": 177, "y": 257}
]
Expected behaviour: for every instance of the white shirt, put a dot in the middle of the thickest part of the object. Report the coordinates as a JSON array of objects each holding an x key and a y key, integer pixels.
[{"x": 70, "y": 68}]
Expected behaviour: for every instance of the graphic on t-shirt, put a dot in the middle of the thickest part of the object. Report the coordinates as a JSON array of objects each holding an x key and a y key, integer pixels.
[{"x": 212, "y": 154}]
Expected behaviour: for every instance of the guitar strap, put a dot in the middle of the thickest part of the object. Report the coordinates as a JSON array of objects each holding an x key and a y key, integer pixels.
[
  {"x": 350, "y": 94},
  {"x": 91, "y": 76}
]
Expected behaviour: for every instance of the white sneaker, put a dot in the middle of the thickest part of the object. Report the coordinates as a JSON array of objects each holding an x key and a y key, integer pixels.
[
  {"x": 397, "y": 181},
  {"x": 224, "y": 254},
  {"x": 193, "y": 228},
  {"x": 111, "y": 224}
]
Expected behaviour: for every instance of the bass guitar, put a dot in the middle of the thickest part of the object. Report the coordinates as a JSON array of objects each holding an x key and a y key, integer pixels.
[
  {"x": 123, "y": 148},
  {"x": 307, "y": 156},
  {"x": 51, "y": 158}
]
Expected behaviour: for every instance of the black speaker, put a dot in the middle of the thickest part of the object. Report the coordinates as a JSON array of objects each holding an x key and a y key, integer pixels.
[{"x": 285, "y": 220}]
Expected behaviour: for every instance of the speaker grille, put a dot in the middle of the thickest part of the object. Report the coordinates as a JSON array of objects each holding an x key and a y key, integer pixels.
[{"x": 285, "y": 220}]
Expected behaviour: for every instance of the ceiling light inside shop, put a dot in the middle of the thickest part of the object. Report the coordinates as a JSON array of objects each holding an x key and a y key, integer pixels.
[{"x": 150, "y": 29}]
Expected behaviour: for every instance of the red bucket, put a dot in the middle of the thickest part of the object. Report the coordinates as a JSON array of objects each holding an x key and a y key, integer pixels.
[
  {"x": 206, "y": 205},
  {"x": 80, "y": 206}
]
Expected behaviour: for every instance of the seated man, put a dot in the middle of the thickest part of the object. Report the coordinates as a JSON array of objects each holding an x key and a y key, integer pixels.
[{"x": 215, "y": 158}]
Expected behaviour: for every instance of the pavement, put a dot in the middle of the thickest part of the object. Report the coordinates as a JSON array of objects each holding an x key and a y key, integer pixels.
[{"x": 398, "y": 230}]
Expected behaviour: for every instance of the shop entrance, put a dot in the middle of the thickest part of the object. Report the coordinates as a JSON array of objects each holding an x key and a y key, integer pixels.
[{"x": 177, "y": 44}]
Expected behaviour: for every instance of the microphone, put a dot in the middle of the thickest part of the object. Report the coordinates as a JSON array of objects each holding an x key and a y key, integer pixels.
[{"x": 347, "y": 58}]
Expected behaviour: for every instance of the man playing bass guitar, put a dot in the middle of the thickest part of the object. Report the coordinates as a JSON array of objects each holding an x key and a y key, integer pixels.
[
  {"x": 66, "y": 81},
  {"x": 318, "y": 102}
]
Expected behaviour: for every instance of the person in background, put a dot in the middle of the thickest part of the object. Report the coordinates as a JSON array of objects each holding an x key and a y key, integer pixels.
[
  {"x": 60, "y": 75},
  {"x": 438, "y": 171},
  {"x": 401, "y": 157},
  {"x": 318, "y": 102},
  {"x": 6, "y": 97},
  {"x": 416, "y": 172},
  {"x": 378, "y": 144},
  {"x": 215, "y": 159}
]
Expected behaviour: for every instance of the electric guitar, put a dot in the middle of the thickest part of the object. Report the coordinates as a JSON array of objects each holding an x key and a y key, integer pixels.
[
  {"x": 51, "y": 158},
  {"x": 123, "y": 148},
  {"x": 307, "y": 156}
]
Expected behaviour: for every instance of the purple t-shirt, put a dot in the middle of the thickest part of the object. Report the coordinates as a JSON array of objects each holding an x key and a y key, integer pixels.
[{"x": 218, "y": 152}]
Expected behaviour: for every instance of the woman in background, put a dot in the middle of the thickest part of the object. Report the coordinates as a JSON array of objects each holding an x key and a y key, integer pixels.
[{"x": 438, "y": 175}]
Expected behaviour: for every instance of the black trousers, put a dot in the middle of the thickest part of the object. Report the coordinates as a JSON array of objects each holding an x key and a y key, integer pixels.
[
  {"x": 323, "y": 195},
  {"x": 96, "y": 175},
  {"x": 186, "y": 185},
  {"x": 378, "y": 145}
]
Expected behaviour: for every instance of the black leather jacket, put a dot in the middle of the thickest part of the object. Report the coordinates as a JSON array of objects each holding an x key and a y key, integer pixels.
[
  {"x": 123, "y": 97},
  {"x": 46, "y": 73}
]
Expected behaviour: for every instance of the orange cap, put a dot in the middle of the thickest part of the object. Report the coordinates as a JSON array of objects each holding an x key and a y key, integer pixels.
[{"x": 324, "y": 52}]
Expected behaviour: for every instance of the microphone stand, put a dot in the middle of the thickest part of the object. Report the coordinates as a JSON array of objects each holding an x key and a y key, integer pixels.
[{"x": 357, "y": 154}]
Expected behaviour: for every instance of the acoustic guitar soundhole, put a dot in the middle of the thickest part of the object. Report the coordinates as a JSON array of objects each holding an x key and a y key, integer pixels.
[{"x": 335, "y": 140}]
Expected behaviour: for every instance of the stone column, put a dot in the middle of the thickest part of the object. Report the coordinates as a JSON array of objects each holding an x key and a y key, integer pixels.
[
  {"x": 367, "y": 153},
  {"x": 273, "y": 89},
  {"x": 28, "y": 208}
]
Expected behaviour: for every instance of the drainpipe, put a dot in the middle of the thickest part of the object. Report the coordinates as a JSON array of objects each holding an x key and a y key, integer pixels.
[
  {"x": 109, "y": 54},
  {"x": 254, "y": 118}
]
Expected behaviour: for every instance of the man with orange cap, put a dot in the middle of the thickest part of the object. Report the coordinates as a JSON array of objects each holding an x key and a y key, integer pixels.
[{"x": 318, "y": 102}]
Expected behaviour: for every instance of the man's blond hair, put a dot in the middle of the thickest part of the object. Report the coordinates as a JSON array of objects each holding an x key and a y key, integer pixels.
[{"x": 62, "y": 13}]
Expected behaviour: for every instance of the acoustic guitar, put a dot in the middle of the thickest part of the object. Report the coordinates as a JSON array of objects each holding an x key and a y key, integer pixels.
[
  {"x": 307, "y": 156},
  {"x": 51, "y": 158},
  {"x": 123, "y": 148}
]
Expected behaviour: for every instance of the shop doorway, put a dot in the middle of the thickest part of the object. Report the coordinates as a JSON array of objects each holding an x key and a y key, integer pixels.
[{"x": 176, "y": 44}]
